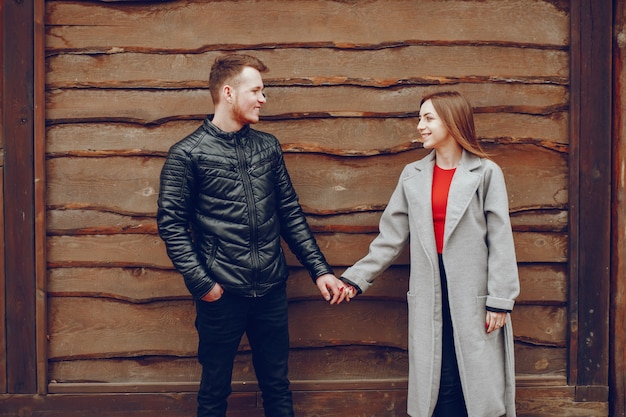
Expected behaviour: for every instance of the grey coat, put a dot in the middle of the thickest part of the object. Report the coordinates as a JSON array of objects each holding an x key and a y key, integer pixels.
[{"x": 481, "y": 268}]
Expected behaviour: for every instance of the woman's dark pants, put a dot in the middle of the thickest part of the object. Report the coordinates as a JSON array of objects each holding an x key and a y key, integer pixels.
[
  {"x": 451, "y": 402},
  {"x": 220, "y": 326}
]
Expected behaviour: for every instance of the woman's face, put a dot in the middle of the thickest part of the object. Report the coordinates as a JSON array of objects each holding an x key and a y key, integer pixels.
[{"x": 434, "y": 134}]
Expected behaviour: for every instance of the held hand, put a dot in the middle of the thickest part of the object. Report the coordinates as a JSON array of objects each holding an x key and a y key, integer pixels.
[
  {"x": 351, "y": 292},
  {"x": 213, "y": 295},
  {"x": 332, "y": 289},
  {"x": 494, "y": 321}
]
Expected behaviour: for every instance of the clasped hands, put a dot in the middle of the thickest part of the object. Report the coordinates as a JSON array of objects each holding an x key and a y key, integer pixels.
[{"x": 335, "y": 290}]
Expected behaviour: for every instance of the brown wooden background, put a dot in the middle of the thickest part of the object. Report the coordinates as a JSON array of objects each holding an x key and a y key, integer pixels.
[
  {"x": 344, "y": 87},
  {"x": 124, "y": 81}
]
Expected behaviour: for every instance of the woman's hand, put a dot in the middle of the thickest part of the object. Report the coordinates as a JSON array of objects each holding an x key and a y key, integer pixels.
[
  {"x": 351, "y": 292},
  {"x": 495, "y": 320}
]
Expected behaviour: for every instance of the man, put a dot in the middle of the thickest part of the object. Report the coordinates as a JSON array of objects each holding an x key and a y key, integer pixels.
[{"x": 225, "y": 201}]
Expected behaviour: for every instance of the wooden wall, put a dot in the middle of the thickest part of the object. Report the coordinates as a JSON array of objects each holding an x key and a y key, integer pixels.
[{"x": 124, "y": 81}]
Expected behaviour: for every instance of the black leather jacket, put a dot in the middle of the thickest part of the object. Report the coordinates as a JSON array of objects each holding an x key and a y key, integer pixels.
[{"x": 224, "y": 203}]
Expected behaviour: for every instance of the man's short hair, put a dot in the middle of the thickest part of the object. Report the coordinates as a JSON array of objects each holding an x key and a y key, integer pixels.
[{"x": 227, "y": 67}]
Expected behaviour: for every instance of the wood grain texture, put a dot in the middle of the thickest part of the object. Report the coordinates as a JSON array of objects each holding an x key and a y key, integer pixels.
[
  {"x": 341, "y": 249},
  {"x": 342, "y": 136},
  {"x": 590, "y": 218},
  {"x": 531, "y": 402},
  {"x": 125, "y": 81},
  {"x": 542, "y": 284},
  {"x": 326, "y": 184},
  {"x": 317, "y": 66},
  {"x": 157, "y": 106},
  {"x": 338, "y": 363},
  {"x": 617, "y": 369},
  {"x": 20, "y": 262},
  {"x": 332, "y": 400},
  {"x": 3, "y": 333},
  {"x": 96, "y": 328},
  {"x": 175, "y": 27}
]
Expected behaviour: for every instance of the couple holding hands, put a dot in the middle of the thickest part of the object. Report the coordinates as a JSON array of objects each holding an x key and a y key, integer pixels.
[{"x": 226, "y": 200}]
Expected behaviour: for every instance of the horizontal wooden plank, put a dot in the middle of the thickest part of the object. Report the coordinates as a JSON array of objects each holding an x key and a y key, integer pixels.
[
  {"x": 528, "y": 180},
  {"x": 138, "y": 285},
  {"x": 555, "y": 386},
  {"x": 533, "y": 402},
  {"x": 540, "y": 247},
  {"x": 358, "y": 136},
  {"x": 378, "y": 68},
  {"x": 344, "y": 249},
  {"x": 99, "y": 328},
  {"x": 239, "y": 387},
  {"x": 341, "y": 249},
  {"x": 95, "y": 222},
  {"x": 554, "y": 220},
  {"x": 369, "y": 322},
  {"x": 536, "y": 179},
  {"x": 141, "y": 370},
  {"x": 135, "y": 250},
  {"x": 543, "y": 283},
  {"x": 95, "y": 27},
  {"x": 390, "y": 402},
  {"x": 338, "y": 364},
  {"x": 120, "y": 185},
  {"x": 81, "y": 327},
  {"x": 540, "y": 325},
  {"x": 157, "y": 106},
  {"x": 356, "y": 403},
  {"x": 533, "y": 361},
  {"x": 540, "y": 284}
]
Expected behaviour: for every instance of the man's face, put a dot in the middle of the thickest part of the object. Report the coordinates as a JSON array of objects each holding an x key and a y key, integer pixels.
[{"x": 247, "y": 96}]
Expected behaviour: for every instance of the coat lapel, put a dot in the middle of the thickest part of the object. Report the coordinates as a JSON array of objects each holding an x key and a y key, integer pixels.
[
  {"x": 462, "y": 190},
  {"x": 418, "y": 189}
]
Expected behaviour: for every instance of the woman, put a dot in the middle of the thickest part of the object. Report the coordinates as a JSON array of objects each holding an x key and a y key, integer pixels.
[{"x": 452, "y": 207}]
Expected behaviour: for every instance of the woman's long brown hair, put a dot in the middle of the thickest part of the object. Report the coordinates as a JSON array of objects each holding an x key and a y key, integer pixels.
[{"x": 458, "y": 117}]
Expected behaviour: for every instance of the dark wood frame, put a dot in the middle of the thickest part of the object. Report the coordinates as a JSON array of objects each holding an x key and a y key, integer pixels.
[
  {"x": 3, "y": 340},
  {"x": 617, "y": 340},
  {"x": 22, "y": 129},
  {"x": 590, "y": 197},
  {"x": 18, "y": 126}
]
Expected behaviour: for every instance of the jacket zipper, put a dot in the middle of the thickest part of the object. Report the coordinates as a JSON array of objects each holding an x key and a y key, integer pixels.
[{"x": 246, "y": 170}]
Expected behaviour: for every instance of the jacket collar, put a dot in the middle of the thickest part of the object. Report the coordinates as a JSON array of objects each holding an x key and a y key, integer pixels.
[{"x": 219, "y": 133}]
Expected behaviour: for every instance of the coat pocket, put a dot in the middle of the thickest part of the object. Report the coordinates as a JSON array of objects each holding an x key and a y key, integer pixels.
[{"x": 209, "y": 250}]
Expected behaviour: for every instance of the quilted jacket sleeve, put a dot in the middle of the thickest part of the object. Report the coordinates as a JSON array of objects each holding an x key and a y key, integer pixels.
[
  {"x": 175, "y": 210},
  {"x": 294, "y": 227}
]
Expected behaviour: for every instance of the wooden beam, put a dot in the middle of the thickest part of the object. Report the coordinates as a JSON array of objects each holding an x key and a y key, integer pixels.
[
  {"x": 617, "y": 370},
  {"x": 19, "y": 234},
  {"x": 3, "y": 340},
  {"x": 590, "y": 197},
  {"x": 531, "y": 401},
  {"x": 39, "y": 190}
]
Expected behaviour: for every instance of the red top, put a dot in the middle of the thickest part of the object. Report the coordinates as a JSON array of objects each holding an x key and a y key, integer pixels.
[{"x": 441, "y": 186}]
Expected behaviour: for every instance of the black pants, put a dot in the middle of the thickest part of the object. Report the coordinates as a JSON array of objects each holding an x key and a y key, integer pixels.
[
  {"x": 450, "y": 402},
  {"x": 220, "y": 326}
]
